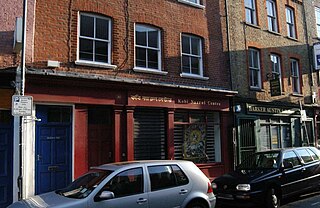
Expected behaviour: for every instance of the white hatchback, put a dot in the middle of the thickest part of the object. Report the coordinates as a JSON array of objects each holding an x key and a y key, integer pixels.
[{"x": 143, "y": 184}]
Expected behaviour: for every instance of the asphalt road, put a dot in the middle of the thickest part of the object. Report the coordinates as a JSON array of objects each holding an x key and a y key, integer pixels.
[{"x": 310, "y": 200}]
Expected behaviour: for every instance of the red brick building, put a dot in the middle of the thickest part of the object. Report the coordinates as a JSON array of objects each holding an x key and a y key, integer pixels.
[{"x": 125, "y": 80}]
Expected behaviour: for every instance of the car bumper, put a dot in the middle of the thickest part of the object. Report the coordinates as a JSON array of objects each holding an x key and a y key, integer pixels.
[{"x": 240, "y": 199}]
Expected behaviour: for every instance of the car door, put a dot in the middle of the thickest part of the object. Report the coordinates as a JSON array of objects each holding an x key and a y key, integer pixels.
[
  {"x": 169, "y": 186},
  {"x": 310, "y": 166},
  {"x": 128, "y": 188},
  {"x": 292, "y": 177}
]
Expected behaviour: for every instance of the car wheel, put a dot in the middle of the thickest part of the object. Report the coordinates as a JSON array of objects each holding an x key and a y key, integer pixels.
[
  {"x": 196, "y": 204},
  {"x": 273, "y": 199}
]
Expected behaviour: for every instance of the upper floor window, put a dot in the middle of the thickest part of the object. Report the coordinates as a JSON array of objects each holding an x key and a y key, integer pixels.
[
  {"x": 276, "y": 66},
  {"x": 272, "y": 16},
  {"x": 254, "y": 68},
  {"x": 195, "y": 3},
  {"x": 94, "y": 39},
  {"x": 191, "y": 55},
  {"x": 251, "y": 12},
  {"x": 295, "y": 76},
  {"x": 317, "y": 11},
  {"x": 290, "y": 23},
  {"x": 147, "y": 47}
]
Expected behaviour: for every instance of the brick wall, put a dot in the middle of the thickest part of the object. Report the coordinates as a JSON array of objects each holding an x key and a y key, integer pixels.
[
  {"x": 244, "y": 36},
  {"x": 56, "y": 26}
]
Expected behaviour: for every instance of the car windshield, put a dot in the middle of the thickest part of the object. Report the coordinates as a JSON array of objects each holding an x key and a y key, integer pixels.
[
  {"x": 261, "y": 160},
  {"x": 83, "y": 186}
]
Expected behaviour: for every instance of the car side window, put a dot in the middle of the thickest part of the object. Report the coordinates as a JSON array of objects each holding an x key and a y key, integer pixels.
[
  {"x": 161, "y": 177},
  {"x": 291, "y": 157},
  {"x": 315, "y": 152},
  {"x": 126, "y": 183},
  {"x": 181, "y": 178},
  {"x": 305, "y": 155},
  {"x": 313, "y": 155}
]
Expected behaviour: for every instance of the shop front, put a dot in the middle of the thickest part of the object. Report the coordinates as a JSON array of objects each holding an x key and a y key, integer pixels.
[
  {"x": 110, "y": 122},
  {"x": 262, "y": 126}
]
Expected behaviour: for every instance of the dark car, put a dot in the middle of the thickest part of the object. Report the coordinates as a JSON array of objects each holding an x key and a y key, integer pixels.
[{"x": 267, "y": 177}]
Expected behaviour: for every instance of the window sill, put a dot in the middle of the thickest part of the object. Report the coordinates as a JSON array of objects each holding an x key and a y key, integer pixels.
[
  {"x": 192, "y": 4},
  {"x": 273, "y": 32},
  {"x": 296, "y": 95},
  {"x": 95, "y": 64},
  {"x": 291, "y": 38},
  {"x": 257, "y": 89},
  {"x": 191, "y": 76},
  {"x": 149, "y": 71},
  {"x": 252, "y": 25}
]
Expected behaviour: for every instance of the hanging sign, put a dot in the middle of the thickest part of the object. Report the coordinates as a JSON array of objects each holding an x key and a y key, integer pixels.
[{"x": 275, "y": 87}]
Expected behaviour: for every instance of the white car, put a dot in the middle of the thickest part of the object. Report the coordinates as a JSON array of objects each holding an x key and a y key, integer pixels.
[{"x": 143, "y": 184}]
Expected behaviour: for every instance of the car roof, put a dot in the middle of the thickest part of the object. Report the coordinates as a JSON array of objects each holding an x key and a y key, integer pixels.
[
  {"x": 118, "y": 165},
  {"x": 284, "y": 149}
]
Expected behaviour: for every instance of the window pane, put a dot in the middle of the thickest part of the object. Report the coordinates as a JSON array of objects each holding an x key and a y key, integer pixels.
[
  {"x": 102, "y": 29},
  {"x": 305, "y": 155},
  {"x": 265, "y": 138},
  {"x": 195, "y": 65},
  {"x": 86, "y": 50},
  {"x": 161, "y": 177},
  {"x": 248, "y": 3},
  {"x": 86, "y": 26},
  {"x": 101, "y": 53},
  {"x": 152, "y": 59},
  {"x": 141, "y": 36},
  {"x": 195, "y": 46},
  {"x": 185, "y": 44},
  {"x": 141, "y": 59},
  {"x": 275, "y": 137},
  {"x": 153, "y": 39},
  {"x": 185, "y": 64}
]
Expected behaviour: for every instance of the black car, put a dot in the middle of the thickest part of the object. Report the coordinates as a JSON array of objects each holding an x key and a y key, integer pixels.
[{"x": 267, "y": 177}]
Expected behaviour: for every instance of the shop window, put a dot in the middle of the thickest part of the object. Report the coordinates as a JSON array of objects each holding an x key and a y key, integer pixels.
[
  {"x": 274, "y": 133},
  {"x": 198, "y": 138}
]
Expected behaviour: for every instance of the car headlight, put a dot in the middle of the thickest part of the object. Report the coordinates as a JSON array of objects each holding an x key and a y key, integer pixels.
[
  {"x": 243, "y": 187},
  {"x": 214, "y": 185}
]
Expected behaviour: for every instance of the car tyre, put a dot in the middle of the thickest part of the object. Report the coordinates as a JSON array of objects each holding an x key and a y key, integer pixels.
[
  {"x": 197, "y": 204},
  {"x": 273, "y": 198}
]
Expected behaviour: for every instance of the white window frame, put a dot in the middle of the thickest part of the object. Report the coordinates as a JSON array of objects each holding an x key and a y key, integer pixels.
[
  {"x": 317, "y": 20},
  {"x": 272, "y": 16},
  {"x": 251, "y": 12},
  {"x": 276, "y": 67},
  {"x": 158, "y": 49},
  {"x": 195, "y": 3},
  {"x": 295, "y": 76},
  {"x": 254, "y": 70},
  {"x": 291, "y": 27},
  {"x": 190, "y": 74},
  {"x": 108, "y": 41}
]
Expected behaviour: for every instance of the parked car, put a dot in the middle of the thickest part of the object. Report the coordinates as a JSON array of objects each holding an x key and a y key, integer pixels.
[
  {"x": 143, "y": 184},
  {"x": 267, "y": 177}
]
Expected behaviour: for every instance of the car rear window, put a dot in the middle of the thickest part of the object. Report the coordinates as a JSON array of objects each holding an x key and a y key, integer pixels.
[{"x": 305, "y": 155}]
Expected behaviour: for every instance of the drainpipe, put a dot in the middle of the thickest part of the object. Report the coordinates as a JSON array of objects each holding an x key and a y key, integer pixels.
[{"x": 22, "y": 88}]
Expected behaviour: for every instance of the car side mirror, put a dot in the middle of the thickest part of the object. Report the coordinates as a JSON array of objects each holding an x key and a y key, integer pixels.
[{"x": 105, "y": 195}]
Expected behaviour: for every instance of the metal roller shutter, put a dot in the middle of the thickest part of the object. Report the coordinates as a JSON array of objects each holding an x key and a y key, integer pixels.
[{"x": 149, "y": 134}]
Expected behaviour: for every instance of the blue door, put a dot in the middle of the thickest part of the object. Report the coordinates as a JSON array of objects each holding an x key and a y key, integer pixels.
[
  {"x": 53, "y": 148},
  {"x": 6, "y": 158}
]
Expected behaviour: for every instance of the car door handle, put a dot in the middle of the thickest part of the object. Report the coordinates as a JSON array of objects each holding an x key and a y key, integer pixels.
[
  {"x": 141, "y": 201},
  {"x": 183, "y": 191}
]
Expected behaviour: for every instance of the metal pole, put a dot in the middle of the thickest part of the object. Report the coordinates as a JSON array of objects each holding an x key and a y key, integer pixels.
[{"x": 22, "y": 88}]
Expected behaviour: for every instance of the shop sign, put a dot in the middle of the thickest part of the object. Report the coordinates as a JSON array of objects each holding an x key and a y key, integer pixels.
[
  {"x": 198, "y": 102},
  {"x": 275, "y": 87},
  {"x": 261, "y": 109}
]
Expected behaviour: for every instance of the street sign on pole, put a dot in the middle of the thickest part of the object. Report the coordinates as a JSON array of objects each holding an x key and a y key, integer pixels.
[{"x": 22, "y": 105}]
